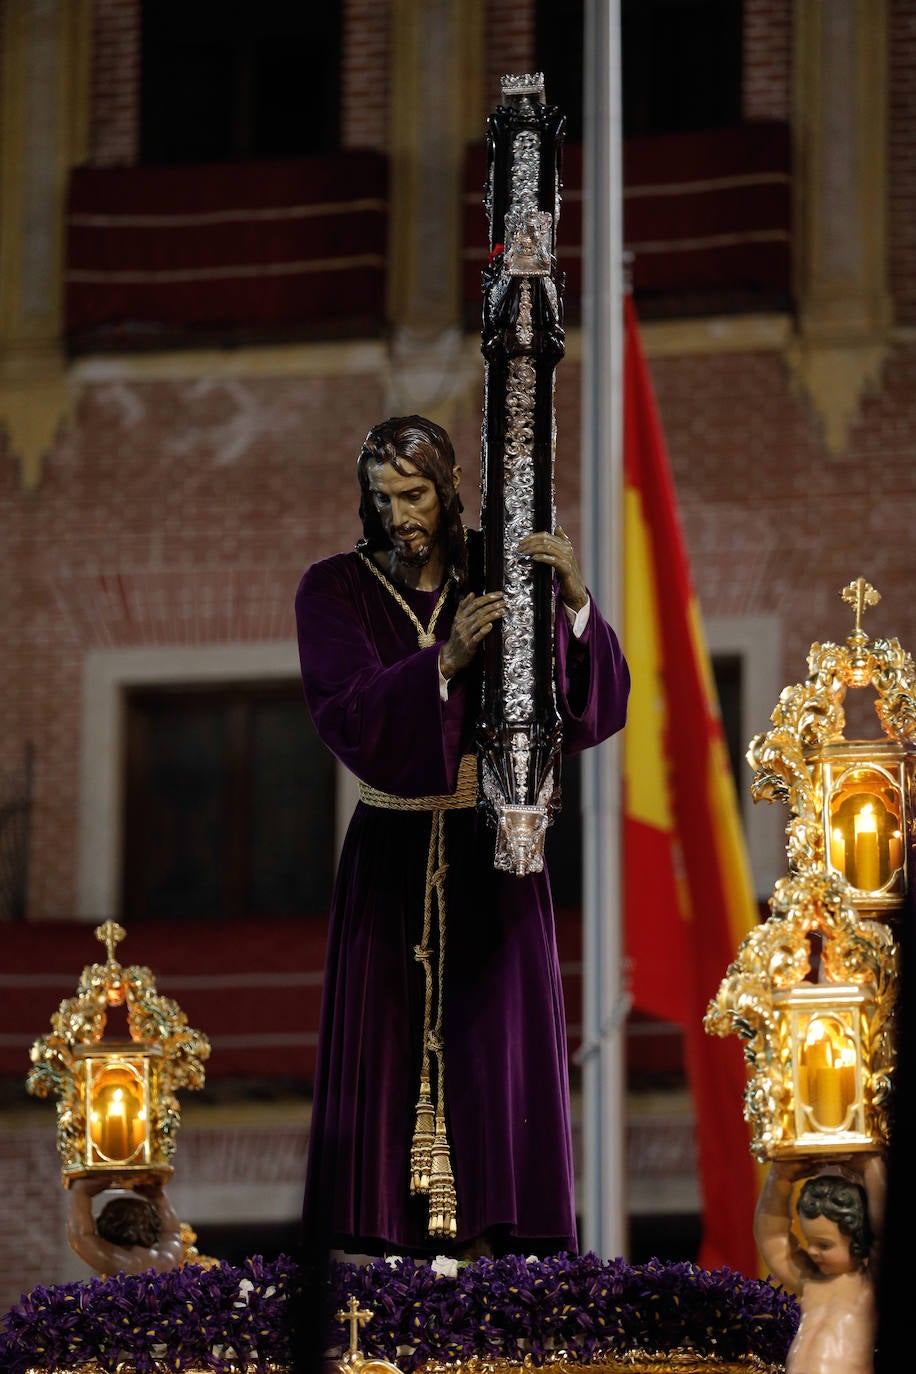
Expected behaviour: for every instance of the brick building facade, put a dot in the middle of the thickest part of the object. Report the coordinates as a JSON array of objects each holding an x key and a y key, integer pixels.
[{"x": 185, "y": 491}]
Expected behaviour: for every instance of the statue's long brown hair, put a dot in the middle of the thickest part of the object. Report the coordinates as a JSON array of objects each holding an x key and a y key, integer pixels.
[{"x": 426, "y": 446}]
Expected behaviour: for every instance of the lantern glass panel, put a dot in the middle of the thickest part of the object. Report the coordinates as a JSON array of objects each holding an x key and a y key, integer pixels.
[
  {"x": 864, "y": 816},
  {"x": 118, "y": 1112},
  {"x": 827, "y": 1077}
]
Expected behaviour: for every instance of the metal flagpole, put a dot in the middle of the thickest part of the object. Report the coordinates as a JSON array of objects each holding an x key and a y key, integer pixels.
[{"x": 604, "y": 997}]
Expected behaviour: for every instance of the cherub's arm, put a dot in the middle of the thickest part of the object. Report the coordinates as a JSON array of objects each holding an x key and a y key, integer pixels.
[
  {"x": 168, "y": 1251},
  {"x": 99, "y": 1254},
  {"x": 874, "y": 1180},
  {"x": 781, "y": 1252}
]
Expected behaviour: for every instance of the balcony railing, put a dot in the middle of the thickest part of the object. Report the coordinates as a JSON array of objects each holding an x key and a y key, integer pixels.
[
  {"x": 226, "y": 251},
  {"x": 706, "y": 218},
  {"x": 245, "y": 252}
]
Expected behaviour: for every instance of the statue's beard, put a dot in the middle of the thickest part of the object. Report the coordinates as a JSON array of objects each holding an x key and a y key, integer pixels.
[{"x": 417, "y": 554}]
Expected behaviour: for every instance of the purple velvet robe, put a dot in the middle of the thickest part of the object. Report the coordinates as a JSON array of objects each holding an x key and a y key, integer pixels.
[{"x": 374, "y": 698}]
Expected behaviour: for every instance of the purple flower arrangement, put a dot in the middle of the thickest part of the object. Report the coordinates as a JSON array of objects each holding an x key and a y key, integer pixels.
[
  {"x": 189, "y": 1318},
  {"x": 587, "y": 1307},
  {"x": 231, "y": 1316}
]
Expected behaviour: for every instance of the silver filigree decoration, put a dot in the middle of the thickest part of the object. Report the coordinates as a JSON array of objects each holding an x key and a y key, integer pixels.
[
  {"x": 523, "y": 84},
  {"x": 521, "y": 759},
  {"x": 523, "y": 181},
  {"x": 529, "y": 237},
  {"x": 518, "y": 622},
  {"x": 524, "y": 329},
  {"x": 520, "y": 839}
]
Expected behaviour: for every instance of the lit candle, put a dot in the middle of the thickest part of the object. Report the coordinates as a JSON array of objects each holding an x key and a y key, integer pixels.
[
  {"x": 827, "y": 1106},
  {"x": 867, "y": 868},
  {"x": 896, "y": 850},
  {"x": 846, "y": 1070},
  {"x": 114, "y": 1133},
  {"x": 137, "y": 1129},
  {"x": 813, "y": 1059},
  {"x": 817, "y": 1052},
  {"x": 838, "y": 851}
]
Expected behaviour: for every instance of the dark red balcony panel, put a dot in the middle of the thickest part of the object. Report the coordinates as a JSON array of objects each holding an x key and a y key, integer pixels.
[
  {"x": 707, "y": 219},
  {"x": 252, "y": 986},
  {"x": 227, "y": 250}
]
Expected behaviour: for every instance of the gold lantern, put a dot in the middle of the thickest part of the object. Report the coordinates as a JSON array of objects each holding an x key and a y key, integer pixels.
[
  {"x": 117, "y": 1113},
  {"x": 119, "y": 1082},
  {"x": 812, "y": 990},
  {"x": 828, "y": 1089},
  {"x": 820, "y": 1053},
  {"x": 851, "y": 808},
  {"x": 864, "y": 794}
]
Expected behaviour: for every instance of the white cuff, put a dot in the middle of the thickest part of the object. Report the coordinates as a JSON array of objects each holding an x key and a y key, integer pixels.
[
  {"x": 578, "y": 619},
  {"x": 443, "y": 681}
]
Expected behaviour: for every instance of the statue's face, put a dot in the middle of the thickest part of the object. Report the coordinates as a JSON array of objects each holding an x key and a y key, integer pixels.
[
  {"x": 827, "y": 1247},
  {"x": 409, "y": 509}
]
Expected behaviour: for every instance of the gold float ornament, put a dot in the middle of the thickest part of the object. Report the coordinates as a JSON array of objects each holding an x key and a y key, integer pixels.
[
  {"x": 117, "y": 1113},
  {"x": 850, "y": 802},
  {"x": 354, "y": 1361},
  {"x": 820, "y": 1054}
]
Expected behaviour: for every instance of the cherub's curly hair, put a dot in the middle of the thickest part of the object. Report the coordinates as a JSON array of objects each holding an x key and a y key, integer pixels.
[
  {"x": 842, "y": 1202},
  {"x": 427, "y": 447},
  {"x": 129, "y": 1221}
]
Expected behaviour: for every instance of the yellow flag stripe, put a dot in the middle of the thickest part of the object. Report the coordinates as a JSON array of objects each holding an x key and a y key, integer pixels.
[{"x": 645, "y": 763}]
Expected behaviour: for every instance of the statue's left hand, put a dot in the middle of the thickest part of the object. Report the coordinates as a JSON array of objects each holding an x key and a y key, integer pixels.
[{"x": 557, "y": 551}]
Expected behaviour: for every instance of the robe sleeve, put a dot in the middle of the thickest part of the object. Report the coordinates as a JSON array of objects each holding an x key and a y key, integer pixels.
[
  {"x": 593, "y": 682},
  {"x": 385, "y": 721}
]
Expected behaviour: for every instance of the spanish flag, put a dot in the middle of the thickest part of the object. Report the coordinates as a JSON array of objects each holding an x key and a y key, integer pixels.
[{"x": 688, "y": 900}]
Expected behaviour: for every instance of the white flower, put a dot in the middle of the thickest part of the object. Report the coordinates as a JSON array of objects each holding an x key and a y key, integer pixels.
[{"x": 446, "y": 1266}]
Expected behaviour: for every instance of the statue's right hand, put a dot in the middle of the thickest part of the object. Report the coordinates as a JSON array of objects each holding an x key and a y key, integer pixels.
[{"x": 474, "y": 619}]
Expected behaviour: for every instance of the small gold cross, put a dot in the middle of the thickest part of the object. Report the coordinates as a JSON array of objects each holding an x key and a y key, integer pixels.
[
  {"x": 356, "y": 1317},
  {"x": 110, "y": 934},
  {"x": 860, "y": 594}
]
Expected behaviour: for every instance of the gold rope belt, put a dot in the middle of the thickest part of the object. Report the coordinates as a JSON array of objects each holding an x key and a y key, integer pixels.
[
  {"x": 464, "y": 795},
  {"x": 431, "y": 1172}
]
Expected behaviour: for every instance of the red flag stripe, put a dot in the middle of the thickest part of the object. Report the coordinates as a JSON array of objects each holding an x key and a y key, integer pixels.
[{"x": 705, "y": 851}]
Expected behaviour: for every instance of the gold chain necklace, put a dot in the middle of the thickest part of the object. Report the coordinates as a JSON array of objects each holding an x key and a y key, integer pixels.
[{"x": 425, "y": 637}]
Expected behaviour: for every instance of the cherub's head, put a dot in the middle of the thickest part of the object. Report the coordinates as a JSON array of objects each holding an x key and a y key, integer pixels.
[
  {"x": 833, "y": 1217},
  {"x": 129, "y": 1221}
]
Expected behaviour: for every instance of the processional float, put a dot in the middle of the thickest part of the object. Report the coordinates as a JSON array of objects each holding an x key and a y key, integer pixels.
[{"x": 519, "y": 732}]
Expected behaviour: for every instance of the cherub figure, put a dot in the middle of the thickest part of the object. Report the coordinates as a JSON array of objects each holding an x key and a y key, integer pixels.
[
  {"x": 134, "y": 1231},
  {"x": 839, "y": 1214}
]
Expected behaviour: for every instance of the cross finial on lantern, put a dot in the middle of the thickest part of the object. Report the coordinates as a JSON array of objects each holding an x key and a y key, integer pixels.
[
  {"x": 355, "y": 1317},
  {"x": 860, "y": 594},
  {"x": 110, "y": 934}
]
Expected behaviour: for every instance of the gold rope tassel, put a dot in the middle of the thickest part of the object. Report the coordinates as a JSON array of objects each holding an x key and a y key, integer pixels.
[
  {"x": 443, "y": 1202},
  {"x": 421, "y": 1149},
  {"x": 430, "y": 1155}
]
